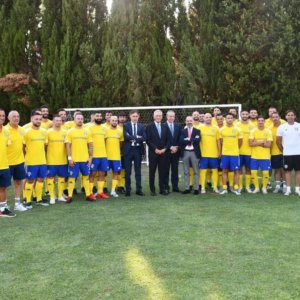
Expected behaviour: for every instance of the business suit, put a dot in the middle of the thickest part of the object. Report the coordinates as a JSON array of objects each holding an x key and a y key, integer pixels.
[
  {"x": 154, "y": 141},
  {"x": 190, "y": 155},
  {"x": 172, "y": 159},
  {"x": 133, "y": 150}
]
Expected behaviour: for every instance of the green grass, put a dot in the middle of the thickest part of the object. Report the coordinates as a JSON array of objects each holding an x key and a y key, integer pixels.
[{"x": 197, "y": 247}]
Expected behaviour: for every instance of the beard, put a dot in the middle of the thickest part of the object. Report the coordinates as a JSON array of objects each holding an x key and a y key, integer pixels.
[{"x": 98, "y": 122}]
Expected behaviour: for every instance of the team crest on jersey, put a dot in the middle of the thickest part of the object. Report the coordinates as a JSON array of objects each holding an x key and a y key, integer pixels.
[
  {"x": 233, "y": 131},
  {"x": 85, "y": 133},
  {"x": 212, "y": 131},
  {"x": 43, "y": 134}
]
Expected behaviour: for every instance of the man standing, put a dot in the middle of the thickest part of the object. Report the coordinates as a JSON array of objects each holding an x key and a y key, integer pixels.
[
  {"x": 4, "y": 168},
  {"x": 253, "y": 117},
  {"x": 158, "y": 140},
  {"x": 133, "y": 150},
  {"x": 16, "y": 156},
  {"x": 172, "y": 156},
  {"x": 79, "y": 147},
  {"x": 46, "y": 123},
  {"x": 288, "y": 141},
  {"x": 231, "y": 138},
  {"x": 189, "y": 141}
]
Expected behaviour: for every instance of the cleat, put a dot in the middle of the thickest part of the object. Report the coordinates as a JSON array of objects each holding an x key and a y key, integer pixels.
[
  {"x": 215, "y": 190},
  {"x": 28, "y": 205},
  {"x": 203, "y": 191},
  {"x": 255, "y": 191},
  {"x": 52, "y": 201},
  {"x": 6, "y": 213},
  {"x": 114, "y": 194},
  {"x": 91, "y": 197},
  {"x": 20, "y": 207},
  {"x": 102, "y": 196},
  {"x": 61, "y": 199},
  {"x": 42, "y": 203},
  {"x": 69, "y": 200},
  {"x": 277, "y": 189},
  {"x": 223, "y": 192},
  {"x": 264, "y": 191},
  {"x": 248, "y": 190},
  {"x": 237, "y": 192}
]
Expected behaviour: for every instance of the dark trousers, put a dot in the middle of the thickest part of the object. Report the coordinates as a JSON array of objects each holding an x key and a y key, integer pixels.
[
  {"x": 157, "y": 161},
  {"x": 172, "y": 161},
  {"x": 134, "y": 156}
]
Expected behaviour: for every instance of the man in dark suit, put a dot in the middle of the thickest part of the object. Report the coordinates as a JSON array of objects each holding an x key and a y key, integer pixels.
[
  {"x": 172, "y": 156},
  {"x": 189, "y": 141},
  {"x": 133, "y": 150},
  {"x": 158, "y": 139}
]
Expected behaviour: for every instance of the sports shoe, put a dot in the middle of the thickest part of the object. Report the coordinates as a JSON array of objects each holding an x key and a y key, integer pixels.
[
  {"x": 20, "y": 207},
  {"x": 102, "y": 195},
  {"x": 203, "y": 191},
  {"x": 61, "y": 199},
  {"x": 237, "y": 192},
  {"x": 215, "y": 190},
  {"x": 287, "y": 193},
  {"x": 114, "y": 194},
  {"x": 69, "y": 200},
  {"x": 91, "y": 198},
  {"x": 6, "y": 213},
  {"x": 248, "y": 190},
  {"x": 52, "y": 201},
  {"x": 277, "y": 189},
  {"x": 297, "y": 193},
  {"x": 255, "y": 191},
  {"x": 264, "y": 191},
  {"x": 42, "y": 203},
  {"x": 223, "y": 192},
  {"x": 28, "y": 205},
  {"x": 269, "y": 186}
]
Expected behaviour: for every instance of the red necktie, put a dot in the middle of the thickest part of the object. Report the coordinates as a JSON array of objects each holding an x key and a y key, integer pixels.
[{"x": 190, "y": 133}]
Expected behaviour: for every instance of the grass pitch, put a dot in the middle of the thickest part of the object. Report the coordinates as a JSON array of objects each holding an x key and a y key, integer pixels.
[{"x": 164, "y": 247}]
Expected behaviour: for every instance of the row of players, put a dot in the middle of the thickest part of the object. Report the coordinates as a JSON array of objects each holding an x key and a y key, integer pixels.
[{"x": 62, "y": 149}]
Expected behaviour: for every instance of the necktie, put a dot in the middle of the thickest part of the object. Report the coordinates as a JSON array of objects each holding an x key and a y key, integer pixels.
[
  {"x": 159, "y": 129},
  {"x": 190, "y": 133},
  {"x": 172, "y": 129},
  {"x": 134, "y": 130}
]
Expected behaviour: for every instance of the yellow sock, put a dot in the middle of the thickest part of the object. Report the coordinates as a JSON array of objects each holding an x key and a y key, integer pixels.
[
  {"x": 254, "y": 178},
  {"x": 39, "y": 190},
  {"x": 61, "y": 186},
  {"x": 230, "y": 178},
  {"x": 81, "y": 182},
  {"x": 248, "y": 181},
  {"x": 203, "y": 173},
  {"x": 241, "y": 183},
  {"x": 71, "y": 186},
  {"x": 28, "y": 191},
  {"x": 105, "y": 181},
  {"x": 265, "y": 179},
  {"x": 100, "y": 187},
  {"x": 208, "y": 177},
  {"x": 224, "y": 186},
  {"x": 86, "y": 185},
  {"x": 33, "y": 191},
  {"x": 236, "y": 186},
  {"x": 91, "y": 186},
  {"x": 114, "y": 184},
  {"x": 220, "y": 182},
  {"x": 122, "y": 179},
  {"x": 214, "y": 178},
  {"x": 50, "y": 186},
  {"x": 191, "y": 171},
  {"x": 96, "y": 179}
]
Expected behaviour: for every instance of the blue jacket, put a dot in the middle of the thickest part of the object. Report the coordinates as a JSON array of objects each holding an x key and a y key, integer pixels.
[
  {"x": 195, "y": 140},
  {"x": 129, "y": 137}
]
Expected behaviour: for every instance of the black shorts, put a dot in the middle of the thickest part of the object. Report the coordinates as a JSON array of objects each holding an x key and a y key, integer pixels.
[
  {"x": 291, "y": 162},
  {"x": 277, "y": 161}
]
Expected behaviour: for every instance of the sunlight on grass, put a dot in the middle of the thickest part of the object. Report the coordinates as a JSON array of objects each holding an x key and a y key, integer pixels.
[{"x": 142, "y": 274}]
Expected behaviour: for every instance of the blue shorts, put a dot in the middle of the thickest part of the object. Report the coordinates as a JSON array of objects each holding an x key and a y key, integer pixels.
[
  {"x": 34, "y": 172},
  {"x": 115, "y": 165},
  {"x": 245, "y": 161},
  {"x": 100, "y": 164},
  {"x": 263, "y": 164},
  {"x": 5, "y": 178},
  {"x": 58, "y": 170},
  {"x": 277, "y": 161},
  {"x": 79, "y": 166},
  {"x": 230, "y": 162},
  {"x": 209, "y": 163},
  {"x": 17, "y": 172}
]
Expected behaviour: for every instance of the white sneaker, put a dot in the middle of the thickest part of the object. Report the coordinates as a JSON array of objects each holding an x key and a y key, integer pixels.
[
  {"x": 52, "y": 201},
  {"x": 114, "y": 194},
  {"x": 264, "y": 191},
  {"x": 297, "y": 193},
  {"x": 215, "y": 190},
  {"x": 203, "y": 191},
  {"x": 237, "y": 192},
  {"x": 287, "y": 193},
  {"x": 248, "y": 190},
  {"x": 20, "y": 207},
  {"x": 61, "y": 199},
  {"x": 269, "y": 186},
  {"x": 223, "y": 192},
  {"x": 240, "y": 190},
  {"x": 255, "y": 191},
  {"x": 277, "y": 189}
]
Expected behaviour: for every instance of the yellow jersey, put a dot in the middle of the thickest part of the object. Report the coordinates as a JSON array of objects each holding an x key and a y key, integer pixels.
[
  {"x": 209, "y": 141},
  {"x": 56, "y": 150},
  {"x": 69, "y": 125},
  {"x": 4, "y": 142},
  {"x": 79, "y": 138},
  {"x": 246, "y": 129},
  {"x": 112, "y": 142},
  {"x": 35, "y": 141},
  {"x": 28, "y": 125},
  {"x": 98, "y": 137},
  {"x": 274, "y": 148},
  {"x": 264, "y": 135},
  {"x": 214, "y": 122},
  {"x": 253, "y": 123},
  {"x": 46, "y": 124},
  {"x": 230, "y": 137},
  {"x": 198, "y": 126},
  {"x": 269, "y": 122},
  {"x": 15, "y": 149}
]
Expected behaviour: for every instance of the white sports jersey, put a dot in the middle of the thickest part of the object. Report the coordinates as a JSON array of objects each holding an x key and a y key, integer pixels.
[{"x": 290, "y": 138}]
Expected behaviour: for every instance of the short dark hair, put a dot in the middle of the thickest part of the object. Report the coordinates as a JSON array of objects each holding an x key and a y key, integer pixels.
[
  {"x": 260, "y": 117},
  {"x": 134, "y": 111},
  {"x": 122, "y": 114},
  {"x": 35, "y": 112},
  {"x": 56, "y": 116},
  {"x": 61, "y": 109},
  {"x": 229, "y": 114},
  {"x": 290, "y": 111},
  {"x": 44, "y": 106}
]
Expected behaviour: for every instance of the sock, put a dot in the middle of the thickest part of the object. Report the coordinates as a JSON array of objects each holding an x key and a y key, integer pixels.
[
  {"x": 105, "y": 181},
  {"x": 39, "y": 190},
  {"x": 241, "y": 181},
  {"x": 121, "y": 179},
  {"x": 86, "y": 185},
  {"x": 209, "y": 176},
  {"x": 50, "y": 185},
  {"x": 100, "y": 187},
  {"x": 28, "y": 188},
  {"x": 61, "y": 186},
  {"x": 277, "y": 184},
  {"x": 230, "y": 178},
  {"x": 248, "y": 181},
  {"x": 265, "y": 180},
  {"x": 254, "y": 178},
  {"x": 224, "y": 186},
  {"x": 191, "y": 171},
  {"x": 203, "y": 173},
  {"x": 71, "y": 186},
  {"x": 220, "y": 182},
  {"x": 236, "y": 187},
  {"x": 297, "y": 189},
  {"x": 114, "y": 184},
  {"x": 214, "y": 178},
  {"x": 91, "y": 186},
  {"x": 288, "y": 189},
  {"x": 17, "y": 201}
]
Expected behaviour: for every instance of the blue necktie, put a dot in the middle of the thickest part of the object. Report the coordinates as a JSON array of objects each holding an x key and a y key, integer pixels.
[
  {"x": 172, "y": 129},
  {"x": 159, "y": 129}
]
